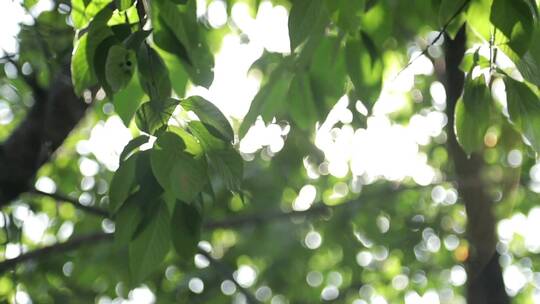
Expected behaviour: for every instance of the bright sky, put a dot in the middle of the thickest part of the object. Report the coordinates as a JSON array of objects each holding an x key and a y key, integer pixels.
[{"x": 368, "y": 153}]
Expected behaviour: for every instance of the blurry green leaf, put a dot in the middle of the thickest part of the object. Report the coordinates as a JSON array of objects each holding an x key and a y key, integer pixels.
[
  {"x": 228, "y": 165},
  {"x": 148, "y": 249},
  {"x": 524, "y": 109},
  {"x": 119, "y": 67},
  {"x": 153, "y": 115},
  {"x": 210, "y": 115},
  {"x": 472, "y": 115},
  {"x": 301, "y": 103},
  {"x": 177, "y": 171},
  {"x": 122, "y": 183},
  {"x": 365, "y": 69},
  {"x": 153, "y": 74},
  {"x": 81, "y": 75},
  {"x": 186, "y": 227},
  {"x": 478, "y": 18},
  {"x": 270, "y": 97},
  {"x": 82, "y": 11},
  {"x": 303, "y": 16},
  {"x": 515, "y": 20},
  {"x": 529, "y": 63},
  {"x": 123, "y": 5},
  {"x": 132, "y": 146},
  {"x": 349, "y": 13}
]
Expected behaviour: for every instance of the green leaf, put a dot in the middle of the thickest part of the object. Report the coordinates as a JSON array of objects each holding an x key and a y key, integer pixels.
[
  {"x": 529, "y": 64},
  {"x": 447, "y": 10},
  {"x": 177, "y": 31},
  {"x": 149, "y": 248},
  {"x": 301, "y": 103},
  {"x": 81, "y": 74},
  {"x": 303, "y": 16},
  {"x": 365, "y": 68},
  {"x": 136, "y": 39},
  {"x": 210, "y": 115},
  {"x": 186, "y": 229},
  {"x": 82, "y": 11},
  {"x": 127, "y": 220},
  {"x": 98, "y": 31},
  {"x": 228, "y": 165},
  {"x": 123, "y": 5},
  {"x": 349, "y": 13},
  {"x": 132, "y": 146},
  {"x": 176, "y": 170},
  {"x": 153, "y": 74},
  {"x": 192, "y": 145},
  {"x": 208, "y": 141},
  {"x": 123, "y": 183},
  {"x": 119, "y": 67},
  {"x": 472, "y": 115},
  {"x": 153, "y": 115},
  {"x": 524, "y": 109},
  {"x": 127, "y": 101},
  {"x": 515, "y": 20},
  {"x": 270, "y": 98}
]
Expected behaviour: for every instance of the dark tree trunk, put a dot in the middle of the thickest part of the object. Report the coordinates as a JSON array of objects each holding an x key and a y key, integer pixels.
[
  {"x": 54, "y": 115},
  {"x": 484, "y": 275}
]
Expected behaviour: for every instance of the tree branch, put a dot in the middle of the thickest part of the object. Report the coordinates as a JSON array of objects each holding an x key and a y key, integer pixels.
[
  {"x": 233, "y": 222},
  {"x": 72, "y": 244},
  {"x": 64, "y": 198}
]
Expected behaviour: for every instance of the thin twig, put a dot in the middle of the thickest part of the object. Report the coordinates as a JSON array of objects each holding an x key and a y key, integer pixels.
[
  {"x": 74, "y": 202},
  {"x": 228, "y": 273},
  {"x": 439, "y": 35}
]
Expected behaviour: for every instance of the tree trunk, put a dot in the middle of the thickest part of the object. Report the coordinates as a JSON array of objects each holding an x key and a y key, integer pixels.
[
  {"x": 484, "y": 275},
  {"x": 55, "y": 113}
]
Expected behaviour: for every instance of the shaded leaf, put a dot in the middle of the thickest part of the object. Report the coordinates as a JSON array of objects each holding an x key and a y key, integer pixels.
[
  {"x": 186, "y": 227},
  {"x": 210, "y": 115},
  {"x": 119, "y": 67},
  {"x": 515, "y": 20},
  {"x": 122, "y": 183},
  {"x": 153, "y": 115},
  {"x": 524, "y": 109},
  {"x": 301, "y": 103},
  {"x": 127, "y": 100},
  {"x": 303, "y": 16},
  {"x": 228, "y": 165},
  {"x": 132, "y": 146},
  {"x": 176, "y": 170},
  {"x": 153, "y": 74},
  {"x": 149, "y": 248},
  {"x": 365, "y": 68}
]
